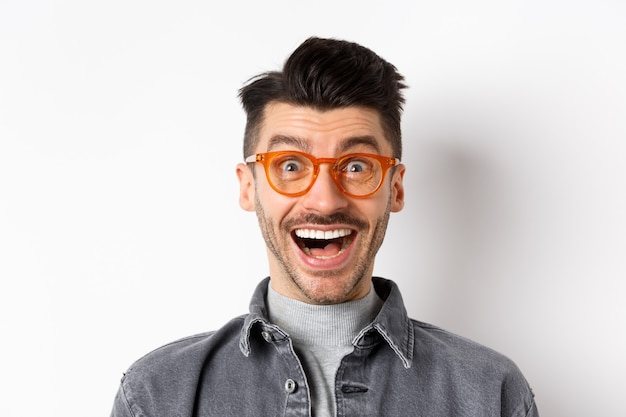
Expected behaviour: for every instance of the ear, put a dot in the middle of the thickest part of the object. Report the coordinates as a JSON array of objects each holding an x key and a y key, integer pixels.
[
  {"x": 397, "y": 189},
  {"x": 246, "y": 187}
]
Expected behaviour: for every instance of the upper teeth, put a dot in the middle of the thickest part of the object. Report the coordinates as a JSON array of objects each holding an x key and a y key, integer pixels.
[{"x": 321, "y": 234}]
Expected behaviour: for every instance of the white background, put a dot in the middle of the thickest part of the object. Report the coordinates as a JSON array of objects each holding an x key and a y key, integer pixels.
[{"x": 119, "y": 224}]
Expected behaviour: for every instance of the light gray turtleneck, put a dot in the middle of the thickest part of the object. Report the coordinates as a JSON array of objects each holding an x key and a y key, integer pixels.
[{"x": 322, "y": 335}]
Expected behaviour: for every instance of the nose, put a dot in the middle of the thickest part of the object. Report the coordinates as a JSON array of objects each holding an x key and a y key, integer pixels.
[{"x": 324, "y": 196}]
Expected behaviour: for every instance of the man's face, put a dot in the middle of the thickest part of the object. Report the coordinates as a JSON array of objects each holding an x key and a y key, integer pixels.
[{"x": 321, "y": 271}]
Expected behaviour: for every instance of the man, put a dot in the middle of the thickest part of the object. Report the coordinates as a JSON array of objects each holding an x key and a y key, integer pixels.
[{"x": 322, "y": 172}]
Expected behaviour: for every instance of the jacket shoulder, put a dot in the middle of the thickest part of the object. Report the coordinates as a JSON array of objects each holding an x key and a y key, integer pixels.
[
  {"x": 172, "y": 370},
  {"x": 188, "y": 349},
  {"x": 473, "y": 366},
  {"x": 433, "y": 340}
]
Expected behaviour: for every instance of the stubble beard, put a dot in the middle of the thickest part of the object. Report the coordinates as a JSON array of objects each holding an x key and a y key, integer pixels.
[{"x": 272, "y": 235}]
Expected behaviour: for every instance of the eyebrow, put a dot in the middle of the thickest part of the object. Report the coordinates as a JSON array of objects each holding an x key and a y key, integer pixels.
[
  {"x": 294, "y": 141},
  {"x": 353, "y": 142},
  {"x": 344, "y": 146}
]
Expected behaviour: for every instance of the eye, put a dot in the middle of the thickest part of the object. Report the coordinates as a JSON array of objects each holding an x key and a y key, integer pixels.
[
  {"x": 290, "y": 165},
  {"x": 356, "y": 166}
]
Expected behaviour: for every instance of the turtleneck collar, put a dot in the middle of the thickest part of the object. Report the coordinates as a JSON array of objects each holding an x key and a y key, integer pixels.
[{"x": 322, "y": 325}]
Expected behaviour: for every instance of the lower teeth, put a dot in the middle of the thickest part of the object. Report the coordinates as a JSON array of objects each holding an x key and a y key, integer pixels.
[{"x": 308, "y": 252}]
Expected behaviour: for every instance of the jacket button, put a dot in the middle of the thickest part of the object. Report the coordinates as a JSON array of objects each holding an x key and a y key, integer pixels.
[{"x": 290, "y": 386}]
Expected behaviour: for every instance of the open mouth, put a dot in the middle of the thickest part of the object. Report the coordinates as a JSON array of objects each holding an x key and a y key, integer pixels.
[{"x": 323, "y": 244}]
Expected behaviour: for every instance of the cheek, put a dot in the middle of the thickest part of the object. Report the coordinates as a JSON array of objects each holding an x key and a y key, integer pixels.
[
  {"x": 272, "y": 204},
  {"x": 374, "y": 210},
  {"x": 379, "y": 204}
]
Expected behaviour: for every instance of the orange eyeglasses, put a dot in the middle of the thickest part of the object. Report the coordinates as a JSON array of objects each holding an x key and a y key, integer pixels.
[{"x": 293, "y": 173}]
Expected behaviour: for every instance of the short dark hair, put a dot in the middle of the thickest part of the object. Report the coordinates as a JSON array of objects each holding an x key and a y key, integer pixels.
[{"x": 327, "y": 74}]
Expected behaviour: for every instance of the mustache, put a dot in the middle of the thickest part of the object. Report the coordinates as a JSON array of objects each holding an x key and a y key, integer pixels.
[{"x": 337, "y": 218}]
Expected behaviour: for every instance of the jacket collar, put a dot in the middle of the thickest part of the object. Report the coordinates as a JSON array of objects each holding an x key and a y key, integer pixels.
[{"x": 392, "y": 322}]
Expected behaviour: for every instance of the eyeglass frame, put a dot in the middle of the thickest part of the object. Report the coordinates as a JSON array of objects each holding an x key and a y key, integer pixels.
[{"x": 265, "y": 158}]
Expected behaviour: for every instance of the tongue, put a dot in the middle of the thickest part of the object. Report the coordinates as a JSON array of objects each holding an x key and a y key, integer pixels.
[{"x": 331, "y": 249}]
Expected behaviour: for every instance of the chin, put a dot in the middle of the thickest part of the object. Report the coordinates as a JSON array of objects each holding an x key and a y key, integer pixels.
[{"x": 328, "y": 289}]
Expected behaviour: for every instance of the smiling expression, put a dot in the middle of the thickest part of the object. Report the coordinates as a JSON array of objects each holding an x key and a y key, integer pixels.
[{"x": 321, "y": 245}]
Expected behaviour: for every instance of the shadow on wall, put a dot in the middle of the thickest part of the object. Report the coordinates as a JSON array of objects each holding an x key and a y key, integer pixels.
[{"x": 462, "y": 194}]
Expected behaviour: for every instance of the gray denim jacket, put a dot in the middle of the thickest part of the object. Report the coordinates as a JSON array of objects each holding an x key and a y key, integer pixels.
[{"x": 399, "y": 367}]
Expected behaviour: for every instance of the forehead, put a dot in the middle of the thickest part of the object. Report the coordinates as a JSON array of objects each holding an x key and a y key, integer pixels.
[{"x": 287, "y": 126}]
